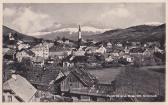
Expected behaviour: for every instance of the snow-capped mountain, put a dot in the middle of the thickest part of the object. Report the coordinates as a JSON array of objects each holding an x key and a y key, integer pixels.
[
  {"x": 153, "y": 23},
  {"x": 68, "y": 32}
]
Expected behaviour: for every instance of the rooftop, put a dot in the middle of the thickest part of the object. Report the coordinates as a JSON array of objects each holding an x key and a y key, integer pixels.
[{"x": 21, "y": 87}]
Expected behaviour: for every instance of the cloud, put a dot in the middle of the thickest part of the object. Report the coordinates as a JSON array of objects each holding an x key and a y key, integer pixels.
[
  {"x": 116, "y": 12},
  {"x": 49, "y": 17},
  {"x": 27, "y": 21},
  {"x": 116, "y": 17}
]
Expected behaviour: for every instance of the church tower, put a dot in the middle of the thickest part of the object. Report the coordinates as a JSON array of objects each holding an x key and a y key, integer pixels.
[{"x": 79, "y": 37}]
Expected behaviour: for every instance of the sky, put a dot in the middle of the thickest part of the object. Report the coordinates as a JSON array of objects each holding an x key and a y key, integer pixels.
[{"x": 30, "y": 18}]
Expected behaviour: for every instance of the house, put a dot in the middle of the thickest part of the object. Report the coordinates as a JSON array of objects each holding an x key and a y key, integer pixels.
[
  {"x": 60, "y": 41},
  {"x": 10, "y": 54},
  {"x": 18, "y": 89},
  {"x": 49, "y": 44},
  {"x": 137, "y": 51},
  {"x": 77, "y": 78},
  {"x": 80, "y": 81},
  {"x": 136, "y": 44},
  {"x": 148, "y": 52},
  {"x": 126, "y": 50},
  {"x": 21, "y": 46},
  {"x": 117, "y": 52},
  {"x": 59, "y": 51},
  {"x": 50, "y": 61},
  {"x": 91, "y": 49},
  {"x": 24, "y": 53},
  {"x": 101, "y": 50},
  {"x": 156, "y": 49},
  {"x": 41, "y": 50},
  {"x": 59, "y": 54},
  {"x": 11, "y": 37},
  {"x": 109, "y": 58},
  {"x": 78, "y": 53},
  {"x": 109, "y": 45},
  {"x": 118, "y": 44},
  {"x": 128, "y": 58},
  {"x": 66, "y": 42},
  {"x": 38, "y": 61}
]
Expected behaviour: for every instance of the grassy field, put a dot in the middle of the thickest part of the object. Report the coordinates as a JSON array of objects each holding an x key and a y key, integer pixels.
[
  {"x": 135, "y": 81},
  {"x": 140, "y": 81},
  {"x": 106, "y": 75}
]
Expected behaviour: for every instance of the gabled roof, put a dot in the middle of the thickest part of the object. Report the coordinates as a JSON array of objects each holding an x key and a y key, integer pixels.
[
  {"x": 28, "y": 52},
  {"x": 84, "y": 77},
  {"x": 137, "y": 50},
  {"x": 21, "y": 87}
]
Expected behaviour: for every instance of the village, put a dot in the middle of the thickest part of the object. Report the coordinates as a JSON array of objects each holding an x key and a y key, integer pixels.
[{"x": 62, "y": 70}]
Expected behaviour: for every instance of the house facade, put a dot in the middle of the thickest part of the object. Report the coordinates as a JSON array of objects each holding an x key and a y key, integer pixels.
[
  {"x": 24, "y": 53},
  {"x": 41, "y": 50},
  {"x": 77, "y": 79},
  {"x": 101, "y": 50}
]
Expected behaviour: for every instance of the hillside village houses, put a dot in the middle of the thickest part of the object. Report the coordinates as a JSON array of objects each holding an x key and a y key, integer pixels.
[{"x": 72, "y": 77}]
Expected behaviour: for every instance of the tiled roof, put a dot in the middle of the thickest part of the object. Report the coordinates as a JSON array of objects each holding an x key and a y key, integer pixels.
[{"x": 42, "y": 77}]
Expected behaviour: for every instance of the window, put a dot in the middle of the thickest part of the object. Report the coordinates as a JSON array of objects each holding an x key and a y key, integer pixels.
[{"x": 9, "y": 98}]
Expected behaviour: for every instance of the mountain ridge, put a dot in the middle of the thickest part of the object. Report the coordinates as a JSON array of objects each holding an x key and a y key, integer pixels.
[{"x": 134, "y": 33}]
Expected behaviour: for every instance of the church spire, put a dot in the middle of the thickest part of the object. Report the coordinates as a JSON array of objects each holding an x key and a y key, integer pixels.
[
  {"x": 79, "y": 29},
  {"x": 79, "y": 37},
  {"x": 79, "y": 33}
]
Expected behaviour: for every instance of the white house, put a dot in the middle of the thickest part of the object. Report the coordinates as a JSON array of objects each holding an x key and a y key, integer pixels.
[
  {"x": 101, "y": 50},
  {"x": 119, "y": 44},
  {"x": 156, "y": 49},
  {"x": 11, "y": 38},
  {"x": 41, "y": 50},
  {"x": 24, "y": 53},
  {"x": 21, "y": 46},
  {"x": 128, "y": 58},
  {"x": 18, "y": 89},
  {"x": 126, "y": 50},
  {"x": 109, "y": 58},
  {"x": 109, "y": 45}
]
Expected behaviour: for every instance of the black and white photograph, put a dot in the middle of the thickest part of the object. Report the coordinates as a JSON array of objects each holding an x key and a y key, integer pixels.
[{"x": 84, "y": 52}]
